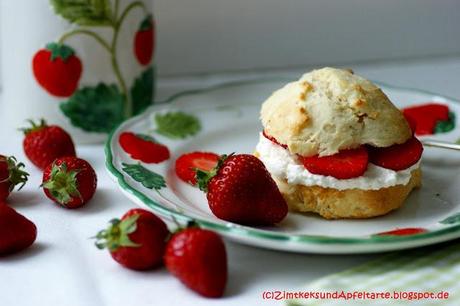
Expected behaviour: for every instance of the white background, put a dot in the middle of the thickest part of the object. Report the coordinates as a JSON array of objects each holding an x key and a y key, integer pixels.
[{"x": 228, "y": 35}]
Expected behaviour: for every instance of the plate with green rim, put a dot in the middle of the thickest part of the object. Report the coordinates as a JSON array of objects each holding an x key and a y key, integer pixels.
[{"x": 225, "y": 119}]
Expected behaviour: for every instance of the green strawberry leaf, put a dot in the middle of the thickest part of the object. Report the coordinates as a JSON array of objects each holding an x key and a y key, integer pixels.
[
  {"x": 146, "y": 24},
  {"x": 84, "y": 12},
  {"x": 452, "y": 219},
  {"x": 95, "y": 109},
  {"x": 445, "y": 126},
  {"x": 177, "y": 125},
  {"x": 147, "y": 178},
  {"x": 143, "y": 91},
  {"x": 59, "y": 50}
]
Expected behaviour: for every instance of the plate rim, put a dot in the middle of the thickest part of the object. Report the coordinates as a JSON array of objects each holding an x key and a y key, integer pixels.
[{"x": 236, "y": 229}]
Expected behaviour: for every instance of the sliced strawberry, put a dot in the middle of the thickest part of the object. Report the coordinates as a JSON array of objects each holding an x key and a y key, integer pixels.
[
  {"x": 403, "y": 231},
  {"x": 272, "y": 139},
  {"x": 187, "y": 164},
  {"x": 343, "y": 165},
  {"x": 426, "y": 116},
  {"x": 397, "y": 157},
  {"x": 143, "y": 147}
]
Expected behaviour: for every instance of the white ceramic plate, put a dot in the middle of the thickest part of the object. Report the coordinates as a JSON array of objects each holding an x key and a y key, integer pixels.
[{"x": 229, "y": 116}]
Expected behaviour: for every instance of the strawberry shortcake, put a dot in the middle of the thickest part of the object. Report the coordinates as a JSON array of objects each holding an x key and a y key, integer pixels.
[{"x": 337, "y": 146}]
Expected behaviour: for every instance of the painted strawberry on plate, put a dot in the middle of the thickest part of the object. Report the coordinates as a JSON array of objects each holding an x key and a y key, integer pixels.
[
  {"x": 144, "y": 148},
  {"x": 403, "y": 231},
  {"x": 144, "y": 41},
  {"x": 430, "y": 118},
  {"x": 57, "y": 69}
]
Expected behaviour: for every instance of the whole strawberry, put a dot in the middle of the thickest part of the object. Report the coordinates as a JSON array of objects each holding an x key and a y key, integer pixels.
[
  {"x": 57, "y": 69},
  {"x": 44, "y": 143},
  {"x": 199, "y": 259},
  {"x": 137, "y": 241},
  {"x": 16, "y": 231},
  {"x": 69, "y": 181},
  {"x": 240, "y": 189},
  {"x": 11, "y": 175}
]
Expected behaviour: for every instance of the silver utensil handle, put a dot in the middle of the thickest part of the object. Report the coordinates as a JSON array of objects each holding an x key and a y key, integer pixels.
[{"x": 441, "y": 144}]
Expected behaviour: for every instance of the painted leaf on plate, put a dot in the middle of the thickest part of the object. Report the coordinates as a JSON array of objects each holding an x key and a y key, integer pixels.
[
  {"x": 147, "y": 178},
  {"x": 177, "y": 125},
  {"x": 445, "y": 126},
  {"x": 451, "y": 219},
  {"x": 84, "y": 12},
  {"x": 95, "y": 109},
  {"x": 143, "y": 91}
]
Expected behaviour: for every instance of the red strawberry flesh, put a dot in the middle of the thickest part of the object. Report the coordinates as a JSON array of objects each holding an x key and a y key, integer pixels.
[
  {"x": 397, "y": 157},
  {"x": 187, "y": 164},
  {"x": 344, "y": 165}
]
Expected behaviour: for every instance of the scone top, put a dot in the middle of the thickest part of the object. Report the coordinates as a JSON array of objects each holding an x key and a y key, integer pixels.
[{"x": 330, "y": 109}]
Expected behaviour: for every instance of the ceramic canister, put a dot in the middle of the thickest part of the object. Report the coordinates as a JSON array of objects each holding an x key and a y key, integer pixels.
[{"x": 84, "y": 65}]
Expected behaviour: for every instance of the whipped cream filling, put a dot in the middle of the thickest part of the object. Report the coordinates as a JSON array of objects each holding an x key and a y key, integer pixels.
[{"x": 284, "y": 165}]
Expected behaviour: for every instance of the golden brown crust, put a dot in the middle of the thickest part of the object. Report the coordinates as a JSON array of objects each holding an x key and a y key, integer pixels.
[
  {"x": 328, "y": 110},
  {"x": 352, "y": 203}
]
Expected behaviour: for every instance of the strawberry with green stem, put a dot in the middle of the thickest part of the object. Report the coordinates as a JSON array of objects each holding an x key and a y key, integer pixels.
[
  {"x": 44, "y": 143},
  {"x": 136, "y": 241},
  {"x": 57, "y": 69},
  {"x": 12, "y": 174},
  {"x": 69, "y": 181},
  {"x": 241, "y": 190}
]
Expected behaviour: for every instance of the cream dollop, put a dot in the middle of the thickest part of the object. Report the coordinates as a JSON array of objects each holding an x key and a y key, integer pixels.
[{"x": 284, "y": 165}]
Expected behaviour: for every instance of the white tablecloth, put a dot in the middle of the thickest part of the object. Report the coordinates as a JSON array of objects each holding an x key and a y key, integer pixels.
[{"x": 64, "y": 268}]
